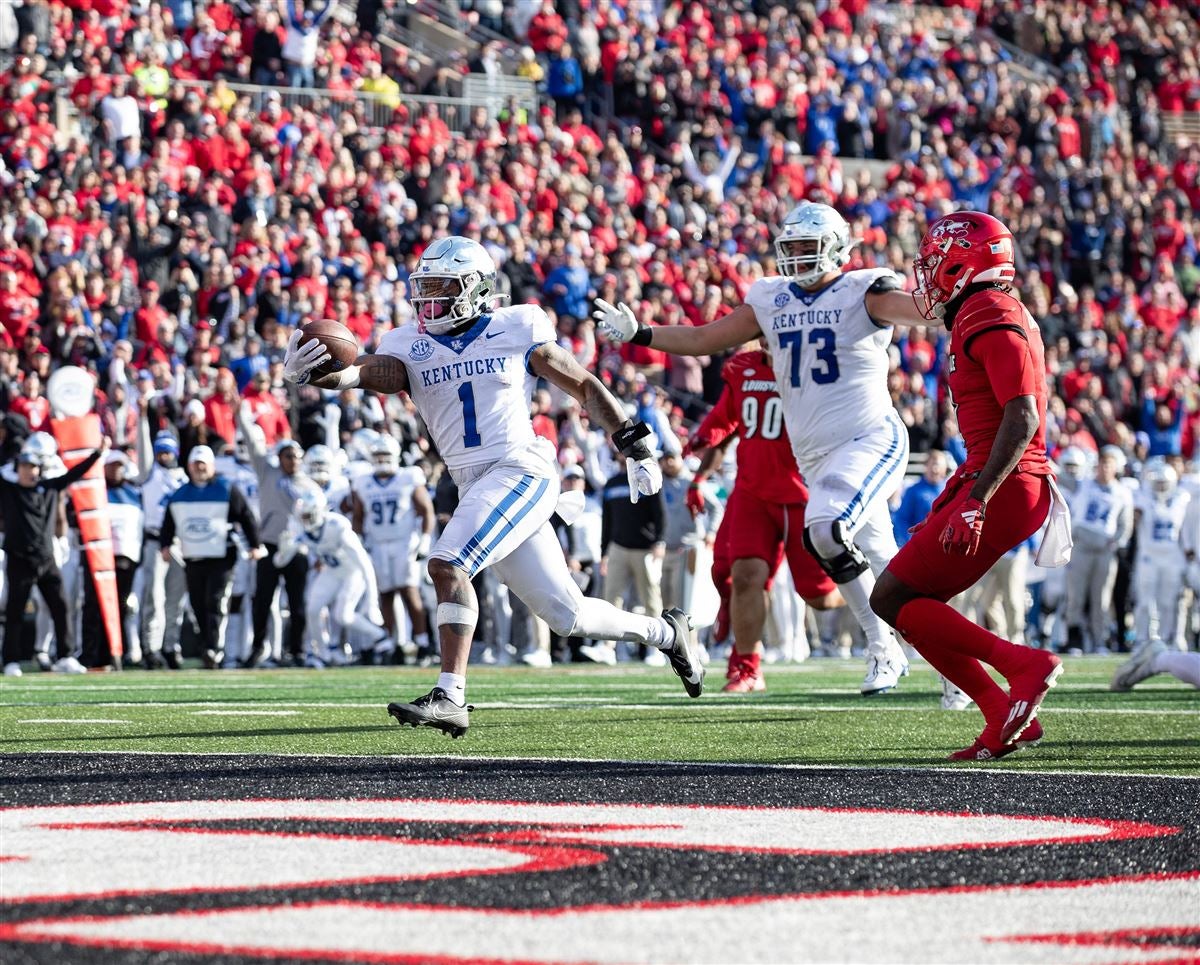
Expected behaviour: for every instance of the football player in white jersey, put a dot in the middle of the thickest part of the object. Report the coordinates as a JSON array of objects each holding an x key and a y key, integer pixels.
[
  {"x": 471, "y": 372},
  {"x": 1161, "y": 562},
  {"x": 828, "y": 333},
  {"x": 393, "y": 513},
  {"x": 344, "y": 576},
  {"x": 321, "y": 467}
]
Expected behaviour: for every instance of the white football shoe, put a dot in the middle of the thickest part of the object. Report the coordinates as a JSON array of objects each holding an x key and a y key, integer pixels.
[
  {"x": 12, "y": 670},
  {"x": 883, "y": 674},
  {"x": 69, "y": 665},
  {"x": 953, "y": 698},
  {"x": 599, "y": 653},
  {"x": 537, "y": 658},
  {"x": 1137, "y": 668}
]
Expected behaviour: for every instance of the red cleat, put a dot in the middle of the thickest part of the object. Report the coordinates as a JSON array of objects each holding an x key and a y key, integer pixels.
[
  {"x": 982, "y": 750},
  {"x": 746, "y": 681},
  {"x": 1027, "y": 691}
]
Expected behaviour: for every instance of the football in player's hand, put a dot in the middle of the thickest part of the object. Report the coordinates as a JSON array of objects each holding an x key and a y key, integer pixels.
[{"x": 338, "y": 340}]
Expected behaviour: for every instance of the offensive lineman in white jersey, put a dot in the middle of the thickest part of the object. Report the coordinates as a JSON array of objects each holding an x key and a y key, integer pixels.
[
  {"x": 828, "y": 333},
  {"x": 471, "y": 372},
  {"x": 344, "y": 577},
  {"x": 1161, "y": 564},
  {"x": 393, "y": 513}
]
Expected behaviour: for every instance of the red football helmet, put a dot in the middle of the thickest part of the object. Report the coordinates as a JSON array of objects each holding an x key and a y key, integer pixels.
[{"x": 960, "y": 249}]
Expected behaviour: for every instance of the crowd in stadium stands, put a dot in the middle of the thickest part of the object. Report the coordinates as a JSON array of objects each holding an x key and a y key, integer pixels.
[{"x": 173, "y": 244}]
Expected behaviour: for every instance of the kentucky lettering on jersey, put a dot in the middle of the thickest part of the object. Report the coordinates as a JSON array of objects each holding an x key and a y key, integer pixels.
[
  {"x": 830, "y": 359},
  {"x": 457, "y": 371},
  {"x": 473, "y": 388},
  {"x": 814, "y": 316}
]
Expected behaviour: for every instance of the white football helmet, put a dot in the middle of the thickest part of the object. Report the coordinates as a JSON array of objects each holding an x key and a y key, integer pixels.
[
  {"x": 1073, "y": 462},
  {"x": 41, "y": 448},
  {"x": 454, "y": 282},
  {"x": 359, "y": 447},
  {"x": 311, "y": 508},
  {"x": 813, "y": 241},
  {"x": 318, "y": 464},
  {"x": 1117, "y": 454},
  {"x": 385, "y": 454},
  {"x": 1160, "y": 478}
]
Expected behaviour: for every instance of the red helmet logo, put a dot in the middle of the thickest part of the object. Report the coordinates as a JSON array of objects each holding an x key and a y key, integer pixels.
[{"x": 958, "y": 250}]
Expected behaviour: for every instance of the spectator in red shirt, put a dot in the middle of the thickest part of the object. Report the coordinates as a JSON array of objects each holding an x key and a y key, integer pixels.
[
  {"x": 18, "y": 309},
  {"x": 219, "y": 407},
  {"x": 265, "y": 409},
  {"x": 150, "y": 316},
  {"x": 32, "y": 405}
]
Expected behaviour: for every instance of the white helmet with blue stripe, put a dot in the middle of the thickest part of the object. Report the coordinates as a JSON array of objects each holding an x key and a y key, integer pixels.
[
  {"x": 311, "y": 508},
  {"x": 454, "y": 282},
  {"x": 813, "y": 241}
]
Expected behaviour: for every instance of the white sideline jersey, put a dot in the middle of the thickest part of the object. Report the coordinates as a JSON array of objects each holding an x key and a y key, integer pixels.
[
  {"x": 1160, "y": 527},
  {"x": 1097, "y": 509},
  {"x": 242, "y": 476},
  {"x": 473, "y": 389},
  {"x": 830, "y": 358},
  {"x": 387, "y": 504}
]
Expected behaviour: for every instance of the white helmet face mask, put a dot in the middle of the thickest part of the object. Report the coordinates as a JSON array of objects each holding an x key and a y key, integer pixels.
[
  {"x": 385, "y": 455},
  {"x": 813, "y": 241},
  {"x": 311, "y": 509},
  {"x": 454, "y": 282},
  {"x": 1162, "y": 480},
  {"x": 318, "y": 464}
]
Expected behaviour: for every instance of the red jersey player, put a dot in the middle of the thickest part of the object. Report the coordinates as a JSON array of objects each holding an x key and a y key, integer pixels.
[
  {"x": 1000, "y": 495},
  {"x": 764, "y": 517}
]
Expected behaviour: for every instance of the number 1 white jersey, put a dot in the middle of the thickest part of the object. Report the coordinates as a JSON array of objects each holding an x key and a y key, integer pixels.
[
  {"x": 473, "y": 390},
  {"x": 387, "y": 504},
  {"x": 830, "y": 358}
]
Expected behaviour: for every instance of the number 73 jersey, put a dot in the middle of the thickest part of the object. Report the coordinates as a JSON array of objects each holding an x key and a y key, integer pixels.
[
  {"x": 830, "y": 358},
  {"x": 473, "y": 388}
]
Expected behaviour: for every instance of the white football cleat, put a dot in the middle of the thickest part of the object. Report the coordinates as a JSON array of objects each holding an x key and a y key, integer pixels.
[
  {"x": 12, "y": 670},
  {"x": 953, "y": 698},
  {"x": 1137, "y": 668},
  {"x": 883, "y": 674},
  {"x": 69, "y": 665},
  {"x": 655, "y": 658},
  {"x": 599, "y": 653},
  {"x": 537, "y": 658}
]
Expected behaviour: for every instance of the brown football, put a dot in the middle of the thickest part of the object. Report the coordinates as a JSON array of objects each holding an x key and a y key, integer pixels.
[{"x": 338, "y": 340}]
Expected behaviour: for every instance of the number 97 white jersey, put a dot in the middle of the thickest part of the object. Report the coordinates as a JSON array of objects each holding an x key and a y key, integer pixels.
[
  {"x": 830, "y": 359},
  {"x": 473, "y": 389},
  {"x": 387, "y": 505}
]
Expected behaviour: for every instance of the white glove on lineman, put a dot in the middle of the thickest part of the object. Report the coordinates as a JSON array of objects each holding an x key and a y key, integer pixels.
[
  {"x": 645, "y": 477},
  {"x": 424, "y": 545},
  {"x": 615, "y": 321},
  {"x": 300, "y": 360}
]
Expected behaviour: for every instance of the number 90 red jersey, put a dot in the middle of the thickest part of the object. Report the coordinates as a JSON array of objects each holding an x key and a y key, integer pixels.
[{"x": 750, "y": 407}]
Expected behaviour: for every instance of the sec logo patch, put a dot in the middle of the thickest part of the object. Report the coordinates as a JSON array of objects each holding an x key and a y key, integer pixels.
[
  {"x": 782, "y": 299},
  {"x": 421, "y": 350}
]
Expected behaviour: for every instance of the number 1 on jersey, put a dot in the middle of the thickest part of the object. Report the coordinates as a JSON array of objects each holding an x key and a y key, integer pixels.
[{"x": 466, "y": 395}]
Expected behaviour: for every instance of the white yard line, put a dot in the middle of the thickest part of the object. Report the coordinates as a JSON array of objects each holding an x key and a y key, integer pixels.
[{"x": 72, "y": 720}]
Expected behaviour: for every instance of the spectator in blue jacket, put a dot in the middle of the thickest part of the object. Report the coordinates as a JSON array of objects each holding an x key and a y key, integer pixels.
[
  {"x": 564, "y": 81},
  {"x": 570, "y": 286},
  {"x": 918, "y": 498}
]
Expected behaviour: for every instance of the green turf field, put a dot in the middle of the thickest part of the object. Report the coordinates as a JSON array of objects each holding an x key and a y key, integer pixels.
[{"x": 811, "y": 714}]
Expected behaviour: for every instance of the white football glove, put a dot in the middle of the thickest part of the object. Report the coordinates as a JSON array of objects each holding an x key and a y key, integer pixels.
[
  {"x": 424, "y": 546},
  {"x": 300, "y": 360},
  {"x": 645, "y": 477},
  {"x": 615, "y": 321}
]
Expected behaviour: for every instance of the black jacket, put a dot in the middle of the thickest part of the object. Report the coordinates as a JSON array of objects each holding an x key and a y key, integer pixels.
[
  {"x": 635, "y": 526},
  {"x": 29, "y": 513}
]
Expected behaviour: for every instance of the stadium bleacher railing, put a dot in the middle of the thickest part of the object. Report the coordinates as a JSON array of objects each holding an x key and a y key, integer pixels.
[{"x": 493, "y": 94}]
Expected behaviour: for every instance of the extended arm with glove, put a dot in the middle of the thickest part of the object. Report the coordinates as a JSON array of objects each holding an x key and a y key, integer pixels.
[{"x": 645, "y": 476}]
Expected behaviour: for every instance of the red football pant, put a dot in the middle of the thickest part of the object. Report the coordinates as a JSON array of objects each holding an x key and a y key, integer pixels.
[
  {"x": 758, "y": 529},
  {"x": 954, "y": 646}
]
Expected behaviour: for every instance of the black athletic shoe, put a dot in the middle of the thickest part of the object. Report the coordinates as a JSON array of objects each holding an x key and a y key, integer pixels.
[
  {"x": 43, "y": 661},
  {"x": 682, "y": 653},
  {"x": 153, "y": 661},
  {"x": 174, "y": 659},
  {"x": 435, "y": 709}
]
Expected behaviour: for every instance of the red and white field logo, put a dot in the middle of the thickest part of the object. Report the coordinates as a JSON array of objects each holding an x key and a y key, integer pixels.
[{"x": 251, "y": 869}]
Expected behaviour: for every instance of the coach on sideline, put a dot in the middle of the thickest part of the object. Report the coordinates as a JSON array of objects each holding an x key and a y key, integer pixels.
[{"x": 202, "y": 514}]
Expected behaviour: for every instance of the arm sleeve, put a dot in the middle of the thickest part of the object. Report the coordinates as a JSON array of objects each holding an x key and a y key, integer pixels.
[
  {"x": 241, "y": 513},
  {"x": 73, "y": 475},
  {"x": 605, "y": 524},
  {"x": 166, "y": 535},
  {"x": 658, "y": 517},
  {"x": 1005, "y": 356}
]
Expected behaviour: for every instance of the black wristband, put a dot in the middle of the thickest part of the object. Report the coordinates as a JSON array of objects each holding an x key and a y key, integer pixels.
[
  {"x": 642, "y": 337},
  {"x": 630, "y": 441}
]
